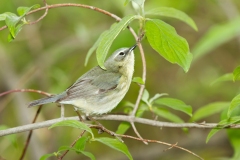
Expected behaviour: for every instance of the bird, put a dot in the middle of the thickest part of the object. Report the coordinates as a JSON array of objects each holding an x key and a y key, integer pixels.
[{"x": 99, "y": 90}]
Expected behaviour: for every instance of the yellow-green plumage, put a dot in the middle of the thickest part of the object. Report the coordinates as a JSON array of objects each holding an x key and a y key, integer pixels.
[{"x": 99, "y": 91}]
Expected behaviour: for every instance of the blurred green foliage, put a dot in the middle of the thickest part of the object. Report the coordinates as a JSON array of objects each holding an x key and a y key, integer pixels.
[{"x": 50, "y": 56}]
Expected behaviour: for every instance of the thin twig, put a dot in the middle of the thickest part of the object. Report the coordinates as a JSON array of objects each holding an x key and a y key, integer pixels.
[
  {"x": 25, "y": 90},
  {"x": 60, "y": 158},
  {"x": 138, "y": 39},
  {"x": 137, "y": 133},
  {"x": 30, "y": 134},
  {"x": 144, "y": 140},
  {"x": 160, "y": 142},
  {"x": 46, "y": 7},
  {"x": 45, "y": 13}
]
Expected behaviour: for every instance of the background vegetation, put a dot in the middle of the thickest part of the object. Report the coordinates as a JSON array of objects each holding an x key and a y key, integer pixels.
[{"x": 50, "y": 56}]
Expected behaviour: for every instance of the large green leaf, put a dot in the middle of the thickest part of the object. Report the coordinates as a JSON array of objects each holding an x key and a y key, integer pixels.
[
  {"x": 115, "y": 144},
  {"x": 174, "y": 13},
  {"x": 209, "y": 110},
  {"x": 234, "y": 103},
  {"x": 236, "y": 73},
  {"x": 167, "y": 115},
  {"x": 175, "y": 104},
  {"x": 165, "y": 40},
  {"x": 74, "y": 124},
  {"x": 222, "y": 124},
  {"x": 108, "y": 38},
  {"x": 94, "y": 47},
  {"x": 216, "y": 36}
]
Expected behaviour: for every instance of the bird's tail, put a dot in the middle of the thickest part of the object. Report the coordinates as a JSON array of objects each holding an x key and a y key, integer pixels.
[{"x": 44, "y": 101}]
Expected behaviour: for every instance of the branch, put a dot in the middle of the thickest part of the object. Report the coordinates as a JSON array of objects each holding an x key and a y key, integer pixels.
[
  {"x": 46, "y": 7},
  {"x": 122, "y": 118}
]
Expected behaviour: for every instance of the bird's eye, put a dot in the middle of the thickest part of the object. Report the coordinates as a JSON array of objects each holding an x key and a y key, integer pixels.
[{"x": 122, "y": 53}]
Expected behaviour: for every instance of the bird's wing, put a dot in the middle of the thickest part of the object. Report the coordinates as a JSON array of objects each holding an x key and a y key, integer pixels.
[{"x": 93, "y": 83}]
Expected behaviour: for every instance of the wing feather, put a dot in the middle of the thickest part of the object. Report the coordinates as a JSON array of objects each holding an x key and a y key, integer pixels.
[{"x": 94, "y": 83}]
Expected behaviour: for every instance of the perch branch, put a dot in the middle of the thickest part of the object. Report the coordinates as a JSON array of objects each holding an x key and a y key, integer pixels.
[{"x": 121, "y": 118}]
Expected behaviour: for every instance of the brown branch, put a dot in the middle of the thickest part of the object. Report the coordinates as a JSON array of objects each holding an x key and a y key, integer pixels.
[
  {"x": 60, "y": 158},
  {"x": 46, "y": 7},
  {"x": 39, "y": 19},
  {"x": 144, "y": 140},
  {"x": 30, "y": 135},
  {"x": 25, "y": 90}
]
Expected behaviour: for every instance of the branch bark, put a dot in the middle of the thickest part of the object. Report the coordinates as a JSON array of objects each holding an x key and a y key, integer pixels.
[{"x": 124, "y": 118}]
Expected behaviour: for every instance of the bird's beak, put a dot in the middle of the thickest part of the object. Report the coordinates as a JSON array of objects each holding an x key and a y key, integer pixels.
[{"x": 132, "y": 48}]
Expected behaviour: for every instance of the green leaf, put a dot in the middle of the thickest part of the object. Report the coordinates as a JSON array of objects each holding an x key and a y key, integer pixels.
[
  {"x": 74, "y": 124},
  {"x": 10, "y": 38},
  {"x": 123, "y": 127},
  {"x": 94, "y": 47},
  {"x": 46, "y": 156},
  {"x": 11, "y": 21},
  {"x": 115, "y": 144},
  {"x": 167, "y": 115},
  {"x": 126, "y": 2},
  {"x": 234, "y": 103},
  {"x": 215, "y": 37},
  {"x": 236, "y": 73},
  {"x": 223, "y": 78},
  {"x": 139, "y": 2},
  {"x": 145, "y": 97},
  {"x": 209, "y": 109},
  {"x": 233, "y": 135},
  {"x": 12, "y": 137},
  {"x": 138, "y": 6},
  {"x": 65, "y": 148},
  {"x": 22, "y": 11},
  {"x": 156, "y": 96},
  {"x": 164, "y": 39},
  {"x": 222, "y": 124},
  {"x": 80, "y": 144},
  {"x": 174, "y": 13},
  {"x": 138, "y": 80},
  {"x": 3, "y": 17},
  {"x": 88, "y": 154},
  {"x": 109, "y": 36},
  {"x": 175, "y": 104}
]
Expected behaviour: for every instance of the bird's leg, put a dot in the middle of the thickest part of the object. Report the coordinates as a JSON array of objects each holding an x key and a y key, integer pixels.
[
  {"x": 79, "y": 116},
  {"x": 62, "y": 111}
]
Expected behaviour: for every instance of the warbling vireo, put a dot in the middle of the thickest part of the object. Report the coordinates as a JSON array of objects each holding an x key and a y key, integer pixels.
[{"x": 99, "y": 91}]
